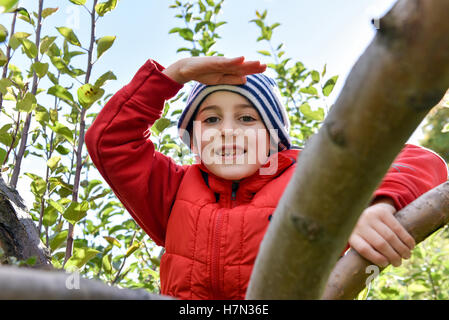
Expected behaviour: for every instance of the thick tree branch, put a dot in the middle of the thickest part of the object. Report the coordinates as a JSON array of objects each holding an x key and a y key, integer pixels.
[
  {"x": 18, "y": 233},
  {"x": 420, "y": 218},
  {"x": 27, "y": 284},
  {"x": 399, "y": 78}
]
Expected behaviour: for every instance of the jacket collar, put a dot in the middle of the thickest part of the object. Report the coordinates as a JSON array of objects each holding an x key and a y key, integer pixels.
[{"x": 247, "y": 187}]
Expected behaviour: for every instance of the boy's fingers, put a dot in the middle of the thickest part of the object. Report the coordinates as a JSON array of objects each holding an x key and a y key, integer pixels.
[
  {"x": 382, "y": 246},
  {"x": 232, "y": 79},
  {"x": 399, "y": 230},
  {"x": 401, "y": 248},
  {"x": 366, "y": 251},
  {"x": 240, "y": 66}
]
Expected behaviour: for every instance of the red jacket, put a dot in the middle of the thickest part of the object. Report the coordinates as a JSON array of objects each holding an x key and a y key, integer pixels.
[{"x": 211, "y": 227}]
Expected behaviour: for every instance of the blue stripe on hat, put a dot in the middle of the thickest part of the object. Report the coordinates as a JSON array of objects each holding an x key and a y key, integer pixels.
[{"x": 271, "y": 90}]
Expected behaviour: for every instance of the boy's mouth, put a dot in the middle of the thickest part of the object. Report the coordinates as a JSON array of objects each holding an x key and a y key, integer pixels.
[{"x": 230, "y": 151}]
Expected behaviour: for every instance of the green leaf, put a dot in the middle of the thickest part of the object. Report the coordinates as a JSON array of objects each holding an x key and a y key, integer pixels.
[
  {"x": 3, "y": 33},
  {"x": 60, "y": 64},
  {"x": 174, "y": 30},
  {"x": 202, "y": 6},
  {"x": 69, "y": 35},
  {"x": 40, "y": 68},
  {"x": 29, "y": 48},
  {"x": 3, "y": 58},
  {"x": 38, "y": 186},
  {"x": 104, "y": 44},
  {"x": 50, "y": 216},
  {"x": 58, "y": 240},
  {"x": 315, "y": 76},
  {"x": 306, "y": 110},
  {"x": 46, "y": 43},
  {"x": 80, "y": 257},
  {"x": 324, "y": 70},
  {"x": 4, "y": 84},
  {"x": 24, "y": 15},
  {"x": 76, "y": 211},
  {"x": 42, "y": 115},
  {"x": 105, "y": 77},
  {"x": 162, "y": 124},
  {"x": 62, "y": 150},
  {"x": 264, "y": 52},
  {"x": 106, "y": 263},
  {"x": 186, "y": 34},
  {"x": 275, "y": 25},
  {"x": 132, "y": 249},
  {"x": 52, "y": 163},
  {"x": 329, "y": 85},
  {"x": 27, "y": 104},
  {"x": 14, "y": 41},
  {"x": 78, "y": 2},
  {"x": 60, "y": 92},
  {"x": 104, "y": 7},
  {"x": 59, "y": 207},
  {"x": 91, "y": 184},
  {"x": 88, "y": 94},
  {"x": 63, "y": 131},
  {"x": 309, "y": 90},
  {"x": 5, "y": 137},
  {"x": 2, "y": 155},
  {"x": 113, "y": 241},
  {"x": 48, "y": 11},
  {"x": 6, "y": 5},
  {"x": 53, "y": 51}
]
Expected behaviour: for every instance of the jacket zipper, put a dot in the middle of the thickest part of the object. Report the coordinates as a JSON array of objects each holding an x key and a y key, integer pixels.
[{"x": 215, "y": 267}]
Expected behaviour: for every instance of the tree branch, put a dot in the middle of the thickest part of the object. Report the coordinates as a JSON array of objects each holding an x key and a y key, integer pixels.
[
  {"x": 26, "y": 127},
  {"x": 18, "y": 234},
  {"x": 25, "y": 284},
  {"x": 420, "y": 218},
  {"x": 402, "y": 74}
]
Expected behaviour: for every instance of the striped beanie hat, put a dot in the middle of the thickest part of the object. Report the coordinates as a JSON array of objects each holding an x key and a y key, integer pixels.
[{"x": 260, "y": 90}]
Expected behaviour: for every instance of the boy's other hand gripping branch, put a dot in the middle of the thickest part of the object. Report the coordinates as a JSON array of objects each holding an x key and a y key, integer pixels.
[
  {"x": 379, "y": 237},
  {"x": 213, "y": 70}
]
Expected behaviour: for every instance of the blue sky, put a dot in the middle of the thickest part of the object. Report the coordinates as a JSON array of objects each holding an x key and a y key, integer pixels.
[{"x": 314, "y": 32}]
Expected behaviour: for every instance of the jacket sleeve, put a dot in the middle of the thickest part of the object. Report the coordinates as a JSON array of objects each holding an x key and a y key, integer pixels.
[
  {"x": 118, "y": 142},
  {"x": 415, "y": 171}
]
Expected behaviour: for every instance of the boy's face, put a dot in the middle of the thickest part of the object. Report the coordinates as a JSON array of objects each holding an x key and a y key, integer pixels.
[{"x": 230, "y": 136}]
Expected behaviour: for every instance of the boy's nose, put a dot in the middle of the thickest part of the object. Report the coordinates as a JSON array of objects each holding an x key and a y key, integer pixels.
[{"x": 231, "y": 132}]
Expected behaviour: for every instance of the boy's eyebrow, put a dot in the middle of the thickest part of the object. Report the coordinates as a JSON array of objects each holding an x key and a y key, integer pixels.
[{"x": 215, "y": 107}]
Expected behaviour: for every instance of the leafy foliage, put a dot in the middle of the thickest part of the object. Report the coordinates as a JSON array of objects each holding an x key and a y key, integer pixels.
[
  {"x": 436, "y": 131},
  {"x": 423, "y": 276}
]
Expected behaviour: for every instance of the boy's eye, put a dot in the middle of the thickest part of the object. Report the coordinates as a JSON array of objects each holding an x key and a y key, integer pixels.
[
  {"x": 211, "y": 120},
  {"x": 247, "y": 118}
]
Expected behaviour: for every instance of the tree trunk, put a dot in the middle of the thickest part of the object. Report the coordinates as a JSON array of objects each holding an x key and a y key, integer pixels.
[
  {"x": 402, "y": 74},
  {"x": 18, "y": 233},
  {"x": 420, "y": 218}
]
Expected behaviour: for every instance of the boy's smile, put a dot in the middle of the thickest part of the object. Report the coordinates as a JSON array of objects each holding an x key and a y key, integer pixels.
[{"x": 230, "y": 136}]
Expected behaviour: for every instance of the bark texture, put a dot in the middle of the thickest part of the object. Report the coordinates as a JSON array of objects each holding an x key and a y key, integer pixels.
[
  {"x": 18, "y": 233},
  {"x": 402, "y": 74},
  {"x": 28, "y": 284},
  {"x": 420, "y": 218}
]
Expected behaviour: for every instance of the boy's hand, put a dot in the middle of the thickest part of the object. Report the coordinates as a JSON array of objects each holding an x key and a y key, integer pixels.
[
  {"x": 379, "y": 237},
  {"x": 213, "y": 70}
]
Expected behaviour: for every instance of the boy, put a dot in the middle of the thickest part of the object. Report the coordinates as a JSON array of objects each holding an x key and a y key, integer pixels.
[{"x": 211, "y": 216}]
